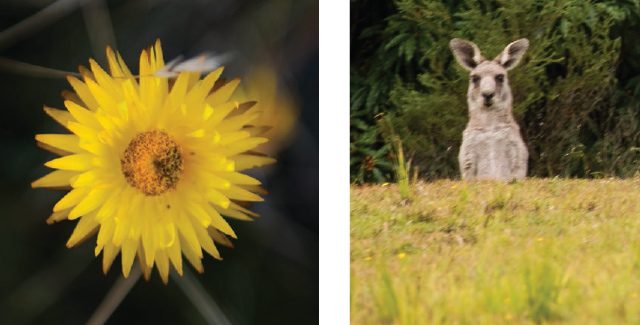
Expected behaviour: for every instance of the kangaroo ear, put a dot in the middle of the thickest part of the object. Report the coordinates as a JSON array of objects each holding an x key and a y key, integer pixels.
[
  {"x": 512, "y": 54},
  {"x": 467, "y": 53}
]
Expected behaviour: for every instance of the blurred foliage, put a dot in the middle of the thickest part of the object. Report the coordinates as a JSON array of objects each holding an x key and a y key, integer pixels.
[{"x": 574, "y": 91}]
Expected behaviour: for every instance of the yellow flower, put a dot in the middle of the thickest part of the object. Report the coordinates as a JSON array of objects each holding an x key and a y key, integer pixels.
[
  {"x": 153, "y": 163},
  {"x": 277, "y": 105}
]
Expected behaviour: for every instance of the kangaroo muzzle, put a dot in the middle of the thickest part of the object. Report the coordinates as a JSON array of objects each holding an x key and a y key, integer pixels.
[{"x": 488, "y": 99}]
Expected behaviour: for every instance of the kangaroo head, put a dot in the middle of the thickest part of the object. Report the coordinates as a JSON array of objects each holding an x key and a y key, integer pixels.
[{"x": 489, "y": 85}]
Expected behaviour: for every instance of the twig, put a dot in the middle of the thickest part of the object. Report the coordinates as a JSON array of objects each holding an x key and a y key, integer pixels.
[
  {"x": 115, "y": 296},
  {"x": 37, "y": 21},
  {"x": 207, "y": 307},
  {"x": 29, "y": 69}
]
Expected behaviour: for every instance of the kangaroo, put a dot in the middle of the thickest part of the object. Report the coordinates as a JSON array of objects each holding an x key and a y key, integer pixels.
[{"x": 492, "y": 147}]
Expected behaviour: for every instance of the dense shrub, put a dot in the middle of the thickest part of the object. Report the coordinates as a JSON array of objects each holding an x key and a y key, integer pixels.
[{"x": 574, "y": 92}]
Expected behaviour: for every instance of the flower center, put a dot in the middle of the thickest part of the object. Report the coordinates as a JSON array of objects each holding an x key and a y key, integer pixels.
[{"x": 152, "y": 163}]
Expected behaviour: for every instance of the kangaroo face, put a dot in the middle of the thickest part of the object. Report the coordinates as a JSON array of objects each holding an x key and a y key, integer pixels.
[{"x": 489, "y": 86}]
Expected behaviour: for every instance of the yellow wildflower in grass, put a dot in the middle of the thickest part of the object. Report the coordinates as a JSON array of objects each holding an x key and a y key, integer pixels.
[{"x": 153, "y": 163}]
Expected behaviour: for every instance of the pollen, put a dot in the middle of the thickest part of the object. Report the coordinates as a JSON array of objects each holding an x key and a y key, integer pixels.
[{"x": 152, "y": 163}]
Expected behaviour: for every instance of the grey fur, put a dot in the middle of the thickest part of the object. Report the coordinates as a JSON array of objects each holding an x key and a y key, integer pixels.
[{"x": 492, "y": 147}]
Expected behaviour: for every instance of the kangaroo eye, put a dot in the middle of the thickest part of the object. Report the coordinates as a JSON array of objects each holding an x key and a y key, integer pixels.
[
  {"x": 500, "y": 78},
  {"x": 475, "y": 78}
]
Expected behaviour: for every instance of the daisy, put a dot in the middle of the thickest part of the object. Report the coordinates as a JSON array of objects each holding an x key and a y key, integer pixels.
[{"x": 153, "y": 163}]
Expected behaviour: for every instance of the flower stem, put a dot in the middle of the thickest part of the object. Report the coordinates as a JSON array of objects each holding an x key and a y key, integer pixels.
[
  {"x": 115, "y": 296},
  {"x": 200, "y": 298}
]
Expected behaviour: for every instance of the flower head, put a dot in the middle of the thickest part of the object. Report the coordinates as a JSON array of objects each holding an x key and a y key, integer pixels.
[
  {"x": 277, "y": 104},
  {"x": 153, "y": 163}
]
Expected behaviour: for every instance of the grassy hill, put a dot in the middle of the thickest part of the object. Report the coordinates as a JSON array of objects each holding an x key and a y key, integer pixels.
[{"x": 538, "y": 251}]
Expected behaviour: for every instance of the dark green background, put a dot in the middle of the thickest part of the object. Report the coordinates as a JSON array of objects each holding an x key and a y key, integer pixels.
[{"x": 270, "y": 277}]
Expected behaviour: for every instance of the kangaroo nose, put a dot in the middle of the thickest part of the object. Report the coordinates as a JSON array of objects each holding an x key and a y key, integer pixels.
[{"x": 488, "y": 96}]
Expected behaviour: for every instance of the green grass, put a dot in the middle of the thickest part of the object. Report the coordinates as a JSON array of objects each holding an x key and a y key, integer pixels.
[{"x": 552, "y": 251}]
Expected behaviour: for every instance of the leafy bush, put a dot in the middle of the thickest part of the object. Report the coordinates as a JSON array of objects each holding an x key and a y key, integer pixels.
[{"x": 573, "y": 91}]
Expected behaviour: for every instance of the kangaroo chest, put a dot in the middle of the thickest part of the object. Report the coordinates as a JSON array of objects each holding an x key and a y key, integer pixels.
[{"x": 492, "y": 150}]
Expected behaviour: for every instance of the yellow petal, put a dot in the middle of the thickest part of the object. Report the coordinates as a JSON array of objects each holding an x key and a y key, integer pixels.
[
  {"x": 83, "y": 131},
  {"x": 231, "y": 137},
  {"x": 105, "y": 81},
  {"x": 82, "y": 115},
  {"x": 175, "y": 254},
  {"x": 162, "y": 261},
  {"x": 217, "y": 198},
  {"x": 105, "y": 234},
  {"x": 205, "y": 240},
  {"x": 83, "y": 92},
  {"x": 197, "y": 94},
  {"x": 86, "y": 74},
  {"x": 178, "y": 91},
  {"x": 84, "y": 229},
  {"x": 254, "y": 189},
  {"x": 149, "y": 244},
  {"x": 124, "y": 66},
  {"x": 79, "y": 162},
  {"x": 110, "y": 205},
  {"x": 222, "y": 95},
  {"x": 94, "y": 147},
  {"x": 129, "y": 212},
  {"x": 58, "y": 216},
  {"x": 219, "y": 222},
  {"x": 66, "y": 142},
  {"x": 196, "y": 134},
  {"x": 70, "y": 95},
  {"x": 233, "y": 213},
  {"x": 108, "y": 255},
  {"x": 188, "y": 236},
  {"x": 213, "y": 180},
  {"x": 56, "y": 178},
  {"x": 257, "y": 131},
  {"x": 129, "y": 247},
  {"x": 244, "y": 161},
  {"x": 62, "y": 117},
  {"x": 85, "y": 179},
  {"x": 192, "y": 255},
  {"x": 240, "y": 208},
  {"x": 218, "y": 113},
  {"x": 238, "y": 178},
  {"x": 236, "y": 123},
  {"x": 198, "y": 213},
  {"x": 158, "y": 60},
  {"x": 92, "y": 201},
  {"x": 237, "y": 193},
  {"x": 146, "y": 271},
  {"x": 105, "y": 100},
  {"x": 219, "y": 237},
  {"x": 117, "y": 70},
  {"x": 241, "y": 146},
  {"x": 71, "y": 199}
]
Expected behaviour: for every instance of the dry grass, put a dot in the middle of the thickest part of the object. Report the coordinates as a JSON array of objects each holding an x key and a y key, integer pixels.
[{"x": 537, "y": 251}]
